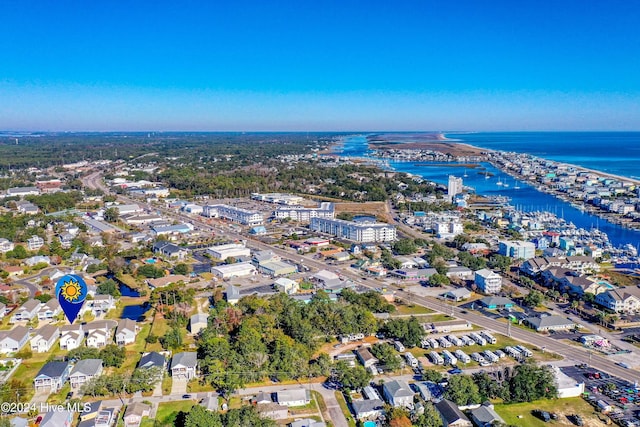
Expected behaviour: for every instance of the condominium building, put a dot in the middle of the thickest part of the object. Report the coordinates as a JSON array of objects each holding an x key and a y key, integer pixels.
[
  {"x": 517, "y": 249},
  {"x": 300, "y": 213},
  {"x": 232, "y": 213},
  {"x": 487, "y": 281},
  {"x": 358, "y": 231}
]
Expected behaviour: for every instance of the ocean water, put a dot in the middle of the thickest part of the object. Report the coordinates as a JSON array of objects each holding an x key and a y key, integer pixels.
[
  {"x": 612, "y": 152},
  {"x": 523, "y": 196}
]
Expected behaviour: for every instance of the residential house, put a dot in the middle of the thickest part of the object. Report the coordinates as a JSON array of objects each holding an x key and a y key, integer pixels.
[
  {"x": 26, "y": 311},
  {"x": 451, "y": 415},
  {"x": 308, "y": 422},
  {"x": 134, "y": 414},
  {"x": 57, "y": 419},
  {"x": 485, "y": 416},
  {"x": 6, "y": 245},
  {"x": 161, "y": 282},
  {"x": 49, "y": 310},
  {"x": 398, "y": 393},
  {"x": 184, "y": 365},
  {"x": 369, "y": 409},
  {"x": 170, "y": 250},
  {"x": 294, "y": 397},
  {"x": 152, "y": 360},
  {"x": 3, "y": 309},
  {"x": 44, "y": 339},
  {"x": 460, "y": 272},
  {"x": 365, "y": 357},
  {"x": 126, "y": 332},
  {"x": 210, "y": 403},
  {"x": 34, "y": 243},
  {"x": 198, "y": 322},
  {"x": 52, "y": 376},
  {"x": 233, "y": 294},
  {"x": 13, "y": 340},
  {"x": 71, "y": 336},
  {"x": 99, "y": 333},
  {"x": 99, "y": 305},
  {"x": 84, "y": 371}
]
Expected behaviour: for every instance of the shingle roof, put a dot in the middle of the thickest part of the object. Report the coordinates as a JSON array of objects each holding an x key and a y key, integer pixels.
[
  {"x": 450, "y": 411},
  {"x": 53, "y": 369},
  {"x": 152, "y": 359},
  {"x": 187, "y": 358},
  {"x": 87, "y": 367}
]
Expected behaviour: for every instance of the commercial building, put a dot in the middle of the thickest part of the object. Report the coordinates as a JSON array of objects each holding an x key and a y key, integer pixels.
[
  {"x": 229, "y": 250},
  {"x": 279, "y": 198},
  {"x": 487, "y": 281},
  {"x": 230, "y": 271},
  {"x": 232, "y": 213},
  {"x": 358, "y": 231},
  {"x": 517, "y": 249}
]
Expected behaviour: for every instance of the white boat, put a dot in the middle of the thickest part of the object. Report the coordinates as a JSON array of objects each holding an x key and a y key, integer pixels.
[{"x": 499, "y": 182}]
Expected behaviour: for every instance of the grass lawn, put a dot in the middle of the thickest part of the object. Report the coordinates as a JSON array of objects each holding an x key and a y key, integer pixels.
[
  {"x": 167, "y": 382},
  {"x": 345, "y": 409},
  {"x": 60, "y": 396},
  {"x": 194, "y": 386},
  {"x": 562, "y": 407},
  {"x": 129, "y": 280},
  {"x": 167, "y": 412},
  {"x": 410, "y": 309}
]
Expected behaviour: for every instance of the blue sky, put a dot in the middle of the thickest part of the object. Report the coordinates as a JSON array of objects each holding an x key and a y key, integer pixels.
[{"x": 320, "y": 65}]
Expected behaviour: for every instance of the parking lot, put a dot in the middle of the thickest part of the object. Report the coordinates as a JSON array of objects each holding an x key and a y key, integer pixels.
[{"x": 621, "y": 395}]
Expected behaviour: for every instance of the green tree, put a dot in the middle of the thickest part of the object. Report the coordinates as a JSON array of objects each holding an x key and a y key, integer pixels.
[
  {"x": 488, "y": 387},
  {"x": 108, "y": 287},
  {"x": 111, "y": 214},
  {"x": 462, "y": 390},
  {"x": 532, "y": 382},
  {"x": 182, "y": 268},
  {"x": 201, "y": 417},
  {"x": 404, "y": 246},
  {"x": 173, "y": 339},
  {"x": 409, "y": 332},
  {"x": 533, "y": 298},
  {"x": 353, "y": 378},
  {"x": 387, "y": 356},
  {"x": 500, "y": 262},
  {"x": 429, "y": 418},
  {"x": 439, "y": 280},
  {"x": 112, "y": 355}
]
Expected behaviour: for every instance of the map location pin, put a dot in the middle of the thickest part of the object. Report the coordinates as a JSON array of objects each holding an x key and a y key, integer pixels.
[{"x": 71, "y": 292}]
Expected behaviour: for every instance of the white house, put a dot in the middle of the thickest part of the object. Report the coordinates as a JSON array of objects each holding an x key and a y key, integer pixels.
[
  {"x": 198, "y": 322},
  {"x": 621, "y": 300},
  {"x": 184, "y": 365},
  {"x": 49, "y": 310},
  {"x": 26, "y": 311},
  {"x": 52, "y": 376},
  {"x": 6, "y": 246},
  {"x": 126, "y": 332},
  {"x": 287, "y": 286},
  {"x": 13, "y": 340},
  {"x": 294, "y": 397},
  {"x": 398, "y": 393},
  {"x": 44, "y": 339},
  {"x": 71, "y": 336},
  {"x": 84, "y": 371}
]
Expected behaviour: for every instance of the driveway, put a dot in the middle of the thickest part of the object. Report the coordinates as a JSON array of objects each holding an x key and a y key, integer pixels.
[{"x": 179, "y": 386}]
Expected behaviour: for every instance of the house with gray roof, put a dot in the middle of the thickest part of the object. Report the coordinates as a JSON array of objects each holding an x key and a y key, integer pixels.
[
  {"x": 366, "y": 357},
  {"x": 152, "y": 360},
  {"x": 26, "y": 311},
  {"x": 44, "y": 338},
  {"x": 57, "y": 419},
  {"x": 126, "y": 332},
  {"x": 184, "y": 365},
  {"x": 210, "y": 403},
  {"x": 485, "y": 416},
  {"x": 308, "y": 422},
  {"x": 49, "y": 310},
  {"x": 134, "y": 414},
  {"x": 369, "y": 409},
  {"x": 451, "y": 415},
  {"x": 13, "y": 340},
  {"x": 52, "y": 376},
  {"x": 549, "y": 323},
  {"x": 198, "y": 322},
  {"x": 84, "y": 371},
  {"x": 294, "y": 397},
  {"x": 398, "y": 393}
]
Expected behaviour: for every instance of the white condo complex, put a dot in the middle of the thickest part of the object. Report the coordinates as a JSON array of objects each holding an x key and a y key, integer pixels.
[{"x": 358, "y": 231}]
